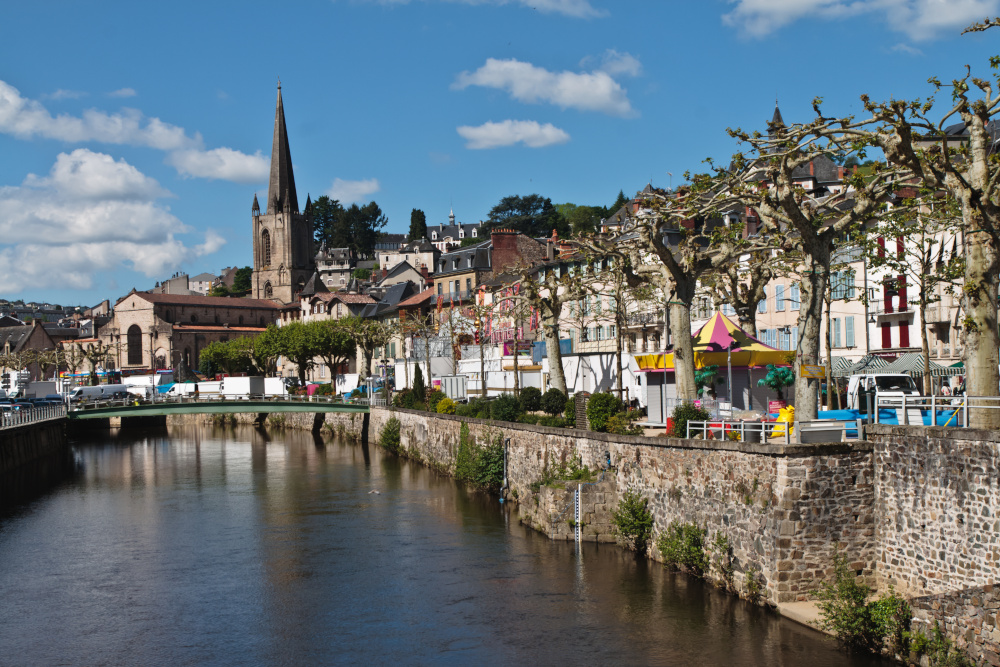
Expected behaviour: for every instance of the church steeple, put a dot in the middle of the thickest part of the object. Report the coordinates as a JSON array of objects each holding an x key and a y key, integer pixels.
[
  {"x": 281, "y": 188},
  {"x": 776, "y": 120}
]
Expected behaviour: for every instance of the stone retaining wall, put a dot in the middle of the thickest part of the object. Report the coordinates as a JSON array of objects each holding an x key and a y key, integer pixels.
[
  {"x": 969, "y": 617},
  {"x": 784, "y": 508},
  {"x": 23, "y": 444},
  {"x": 937, "y": 508}
]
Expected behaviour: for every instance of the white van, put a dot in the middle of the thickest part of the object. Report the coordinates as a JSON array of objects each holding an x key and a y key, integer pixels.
[
  {"x": 98, "y": 393},
  {"x": 860, "y": 387}
]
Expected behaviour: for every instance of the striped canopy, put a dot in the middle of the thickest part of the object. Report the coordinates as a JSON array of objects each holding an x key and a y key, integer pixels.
[
  {"x": 912, "y": 364},
  {"x": 868, "y": 364},
  {"x": 711, "y": 344}
]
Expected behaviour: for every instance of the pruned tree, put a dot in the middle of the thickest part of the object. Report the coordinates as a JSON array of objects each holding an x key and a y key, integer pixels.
[
  {"x": 912, "y": 136},
  {"x": 764, "y": 178},
  {"x": 368, "y": 335},
  {"x": 926, "y": 254},
  {"x": 678, "y": 238},
  {"x": 334, "y": 345}
]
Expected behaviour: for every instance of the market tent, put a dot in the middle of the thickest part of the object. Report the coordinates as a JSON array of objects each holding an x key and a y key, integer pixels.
[
  {"x": 912, "y": 364},
  {"x": 711, "y": 343},
  {"x": 868, "y": 364}
]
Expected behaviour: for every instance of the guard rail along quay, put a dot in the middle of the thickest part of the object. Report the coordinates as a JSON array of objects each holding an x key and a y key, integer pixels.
[
  {"x": 130, "y": 407},
  {"x": 34, "y": 415}
]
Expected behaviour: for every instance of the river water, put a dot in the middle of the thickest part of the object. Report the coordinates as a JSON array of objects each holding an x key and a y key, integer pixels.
[{"x": 228, "y": 547}]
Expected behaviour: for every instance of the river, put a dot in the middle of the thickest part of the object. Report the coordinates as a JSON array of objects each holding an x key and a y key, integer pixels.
[{"x": 226, "y": 546}]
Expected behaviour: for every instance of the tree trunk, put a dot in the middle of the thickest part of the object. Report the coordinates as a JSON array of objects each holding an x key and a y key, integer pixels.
[
  {"x": 427, "y": 351},
  {"x": 557, "y": 376},
  {"x": 406, "y": 361},
  {"x": 748, "y": 321},
  {"x": 829, "y": 353},
  {"x": 618, "y": 360},
  {"x": 925, "y": 346},
  {"x": 982, "y": 377},
  {"x": 680, "y": 328},
  {"x": 482, "y": 366},
  {"x": 517, "y": 380},
  {"x": 814, "y": 281}
]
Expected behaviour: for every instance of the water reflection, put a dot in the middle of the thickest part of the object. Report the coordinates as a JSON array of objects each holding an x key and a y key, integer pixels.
[{"x": 222, "y": 546}]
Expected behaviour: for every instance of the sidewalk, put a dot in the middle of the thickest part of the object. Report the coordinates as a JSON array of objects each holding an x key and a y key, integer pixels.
[{"x": 806, "y": 613}]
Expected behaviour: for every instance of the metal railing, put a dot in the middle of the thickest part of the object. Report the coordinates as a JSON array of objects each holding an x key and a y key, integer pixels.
[
  {"x": 930, "y": 410},
  {"x": 801, "y": 432},
  {"x": 219, "y": 398},
  {"x": 30, "y": 415}
]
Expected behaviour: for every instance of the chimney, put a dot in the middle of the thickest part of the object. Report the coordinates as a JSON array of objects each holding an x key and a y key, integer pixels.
[
  {"x": 550, "y": 246},
  {"x": 812, "y": 171},
  {"x": 505, "y": 254},
  {"x": 425, "y": 274},
  {"x": 385, "y": 271}
]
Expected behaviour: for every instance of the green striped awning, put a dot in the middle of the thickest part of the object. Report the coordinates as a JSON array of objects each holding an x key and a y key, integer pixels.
[
  {"x": 868, "y": 364},
  {"x": 912, "y": 364}
]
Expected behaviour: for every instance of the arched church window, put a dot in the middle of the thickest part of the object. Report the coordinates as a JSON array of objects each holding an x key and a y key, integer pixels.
[
  {"x": 265, "y": 247},
  {"x": 134, "y": 340},
  {"x": 268, "y": 292},
  {"x": 194, "y": 318},
  {"x": 241, "y": 319}
]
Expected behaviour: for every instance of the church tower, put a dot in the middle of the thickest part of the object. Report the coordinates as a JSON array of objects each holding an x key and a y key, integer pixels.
[{"x": 282, "y": 239}]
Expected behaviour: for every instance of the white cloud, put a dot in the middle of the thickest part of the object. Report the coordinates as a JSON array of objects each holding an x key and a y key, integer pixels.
[
  {"x": 122, "y": 92},
  {"x": 510, "y": 132},
  {"x": 574, "y": 8},
  {"x": 907, "y": 49},
  {"x": 919, "y": 19},
  {"x": 349, "y": 192},
  {"x": 89, "y": 216},
  {"x": 62, "y": 94},
  {"x": 221, "y": 163},
  {"x": 588, "y": 91},
  {"x": 29, "y": 119},
  {"x": 616, "y": 64}
]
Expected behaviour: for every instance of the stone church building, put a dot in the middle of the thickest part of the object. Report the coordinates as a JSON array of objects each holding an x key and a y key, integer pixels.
[{"x": 283, "y": 257}]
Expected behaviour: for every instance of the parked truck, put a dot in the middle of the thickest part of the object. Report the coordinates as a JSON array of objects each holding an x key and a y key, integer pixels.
[
  {"x": 236, "y": 388},
  {"x": 275, "y": 387}
]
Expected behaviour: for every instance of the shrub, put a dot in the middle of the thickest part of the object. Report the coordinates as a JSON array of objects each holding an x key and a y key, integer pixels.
[
  {"x": 684, "y": 413},
  {"x": 553, "y": 422},
  {"x": 481, "y": 466},
  {"x": 529, "y": 419},
  {"x": 633, "y": 521},
  {"x": 446, "y": 406},
  {"x": 570, "y": 410},
  {"x": 506, "y": 408},
  {"x": 433, "y": 398},
  {"x": 324, "y": 390},
  {"x": 600, "y": 408},
  {"x": 531, "y": 399},
  {"x": 857, "y": 623},
  {"x": 419, "y": 390},
  {"x": 940, "y": 650},
  {"x": 683, "y": 545},
  {"x": 388, "y": 438},
  {"x": 404, "y": 398},
  {"x": 553, "y": 402},
  {"x": 621, "y": 424}
]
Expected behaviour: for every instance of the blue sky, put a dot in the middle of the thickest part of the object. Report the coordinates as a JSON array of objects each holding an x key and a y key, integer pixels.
[{"x": 134, "y": 135}]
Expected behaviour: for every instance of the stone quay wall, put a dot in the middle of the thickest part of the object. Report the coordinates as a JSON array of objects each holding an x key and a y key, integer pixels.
[
  {"x": 937, "y": 508},
  {"x": 784, "y": 508},
  {"x": 969, "y": 617},
  {"x": 23, "y": 444}
]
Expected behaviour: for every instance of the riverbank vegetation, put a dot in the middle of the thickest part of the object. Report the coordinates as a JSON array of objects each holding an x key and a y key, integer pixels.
[{"x": 480, "y": 465}]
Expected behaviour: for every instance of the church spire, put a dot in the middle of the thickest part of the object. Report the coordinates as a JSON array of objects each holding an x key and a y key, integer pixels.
[
  {"x": 281, "y": 188},
  {"x": 776, "y": 119}
]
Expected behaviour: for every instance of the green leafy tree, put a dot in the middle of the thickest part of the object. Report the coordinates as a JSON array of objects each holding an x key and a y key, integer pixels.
[
  {"x": 533, "y": 215},
  {"x": 242, "y": 281},
  {"x": 600, "y": 408},
  {"x": 419, "y": 389},
  {"x": 334, "y": 345},
  {"x": 418, "y": 225},
  {"x": 582, "y": 219},
  {"x": 219, "y": 290},
  {"x": 299, "y": 343},
  {"x": 368, "y": 335},
  {"x": 706, "y": 378},
  {"x": 355, "y": 227},
  {"x": 553, "y": 402},
  {"x": 620, "y": 201},
  {"x": 633, "y": 521}
]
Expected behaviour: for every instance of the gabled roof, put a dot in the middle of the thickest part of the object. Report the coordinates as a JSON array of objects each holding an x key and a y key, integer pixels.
[
  {"x": 313, "y": 286},
  {"x": 202, "y": 278},
  {"x": 397, "y": 271},
  {"x": 418, "y": 299},
  {"x": 199, "y": 300}
]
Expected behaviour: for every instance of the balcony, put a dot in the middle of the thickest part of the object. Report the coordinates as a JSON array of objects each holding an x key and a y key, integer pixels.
[
  {"x": 645, "y": 319},
  {"x": 938, "y": 314},
  {"x": 878, "y": 308},
  {"x": 448, "y": 297}
]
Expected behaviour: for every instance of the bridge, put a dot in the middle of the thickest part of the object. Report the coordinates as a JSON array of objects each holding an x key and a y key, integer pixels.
[{"x": 187, "y": 405}]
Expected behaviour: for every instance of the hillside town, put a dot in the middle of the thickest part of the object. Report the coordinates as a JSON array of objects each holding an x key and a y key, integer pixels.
[{"x": 491, "y": 304}]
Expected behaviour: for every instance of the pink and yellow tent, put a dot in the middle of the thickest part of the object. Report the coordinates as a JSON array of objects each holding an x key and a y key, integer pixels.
[{"x": 711, "y": 343}]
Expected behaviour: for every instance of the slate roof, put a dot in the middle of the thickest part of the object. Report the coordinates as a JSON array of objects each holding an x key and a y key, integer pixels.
[
  {"x": 390, "y": 241},
  {"x": 199, "y": 300},
  {"x": 313, "y": 286},
  {"x": 281, "y": 187},
  {"x": 394, "y": 295},
  {"x": 453, "y": 231},
  {"x": 15, "y": 336},
  {"x": 202, "y": 278},
  {"x": 418, "y": 299},
  {"x": 480, "y": 254}
]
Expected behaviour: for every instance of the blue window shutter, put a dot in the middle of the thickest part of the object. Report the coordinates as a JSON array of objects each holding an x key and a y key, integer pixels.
[
  {"x": 849, "y": 330},
  {"x": 795, "y": 297},
  {"x": 779, "y": 297},
  {"x": 762, "y": 304}
]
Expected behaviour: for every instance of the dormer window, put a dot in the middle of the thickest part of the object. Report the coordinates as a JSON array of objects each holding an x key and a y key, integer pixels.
[
  {"x": 434, "y": 235},
  {"x": 474, "y": 233}
]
